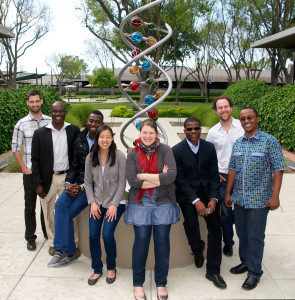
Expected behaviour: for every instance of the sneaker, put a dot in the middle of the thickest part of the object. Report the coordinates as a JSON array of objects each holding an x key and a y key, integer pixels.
[
  {"x": 68, "y": 260},
  {"x": 57, "y": 258}
]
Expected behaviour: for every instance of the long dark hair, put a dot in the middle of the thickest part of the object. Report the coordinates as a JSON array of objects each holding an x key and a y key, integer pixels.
[{"x": 95, "y": 149}]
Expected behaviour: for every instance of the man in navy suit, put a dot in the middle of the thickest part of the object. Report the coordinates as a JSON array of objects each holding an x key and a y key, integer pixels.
[
  {"x": 52, "y": 154},
  {"x": 197, "y": 192}
]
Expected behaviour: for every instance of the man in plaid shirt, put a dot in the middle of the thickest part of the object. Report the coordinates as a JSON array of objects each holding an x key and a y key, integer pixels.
[{"x": 22, "y": 135}]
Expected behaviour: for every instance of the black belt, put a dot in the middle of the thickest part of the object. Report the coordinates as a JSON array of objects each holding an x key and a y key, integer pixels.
[{"x": 59, "y": 172}]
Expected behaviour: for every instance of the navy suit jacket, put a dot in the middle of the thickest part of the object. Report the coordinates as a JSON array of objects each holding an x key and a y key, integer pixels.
[
  {"x": 42, "y": 154},
  {"x": 190, "y": 175}
]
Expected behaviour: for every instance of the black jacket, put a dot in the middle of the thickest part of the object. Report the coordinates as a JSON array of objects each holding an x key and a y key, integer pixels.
[
  {"x": 81, "y": 150},
  {"x": 42, "y": 154},
  {"x": 191, "y": 176}
]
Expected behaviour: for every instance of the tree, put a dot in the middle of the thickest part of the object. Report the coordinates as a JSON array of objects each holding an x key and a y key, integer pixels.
[
  {"x": 65, "y": 66},
  {"x": 182, "y": 16},
  {"x": 72, "y": 66},
  {"x": 29, "y": 23},
  {"x": 270, "y": 17},
  {"x": 102, "y": 78}
]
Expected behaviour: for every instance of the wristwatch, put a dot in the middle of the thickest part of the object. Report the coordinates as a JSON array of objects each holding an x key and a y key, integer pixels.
[{"x": 82, "y": 187}]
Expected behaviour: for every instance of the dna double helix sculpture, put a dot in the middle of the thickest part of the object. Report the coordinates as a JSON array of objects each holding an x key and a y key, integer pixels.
[{"x": 142, "y": 60}]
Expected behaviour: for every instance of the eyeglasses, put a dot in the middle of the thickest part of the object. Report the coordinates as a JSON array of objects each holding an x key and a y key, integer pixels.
[
  {"x": 249, "y": 118},
  {"x": 191, "y": 128}
]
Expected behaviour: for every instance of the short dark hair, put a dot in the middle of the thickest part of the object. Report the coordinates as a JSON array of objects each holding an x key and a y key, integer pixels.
[
  {"x": 95, "y": 149},
  {"x": 58, "y": 102},
  {"x": 254, "y": 110},
  {"x": 230, "y": 101},
  {"x": 33, "y": 93},
  {"x": 96, "y": 112},
  {"x": 149, "y": 122},
  {"x": 191, "y": 119}
]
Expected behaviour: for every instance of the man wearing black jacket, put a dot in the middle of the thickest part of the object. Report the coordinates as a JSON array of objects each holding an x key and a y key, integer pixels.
[{"x": 73, "y": 199}]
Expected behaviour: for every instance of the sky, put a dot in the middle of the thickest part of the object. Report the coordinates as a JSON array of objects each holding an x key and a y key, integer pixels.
[{"x": 67, "y": 35}]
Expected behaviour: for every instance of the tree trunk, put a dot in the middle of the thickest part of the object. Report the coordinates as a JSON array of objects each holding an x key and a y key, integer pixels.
[{"x": 177, "y": 91}]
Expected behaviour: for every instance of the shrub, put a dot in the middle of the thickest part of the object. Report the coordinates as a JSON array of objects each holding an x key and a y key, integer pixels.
[
  {"x": 13, "y": 107},
  {"x": 78, "y": 114},
  {"x": 206, "y": 115},
  {"x": 119, "y": 111},
  {"x": 128, "y": 114},
  {"x": 247, "y": 92},
  {"x": 277, "y": 114}
]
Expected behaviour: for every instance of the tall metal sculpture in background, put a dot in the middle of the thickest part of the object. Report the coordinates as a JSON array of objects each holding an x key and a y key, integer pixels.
[{"x": 146, "y": 63}]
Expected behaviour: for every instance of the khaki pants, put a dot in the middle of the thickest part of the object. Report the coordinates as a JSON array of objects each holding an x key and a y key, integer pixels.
[{"x": 48, "y": 204}]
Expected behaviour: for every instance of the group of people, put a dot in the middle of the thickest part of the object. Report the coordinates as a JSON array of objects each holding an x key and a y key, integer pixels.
[{"x": 237, "y": 164}]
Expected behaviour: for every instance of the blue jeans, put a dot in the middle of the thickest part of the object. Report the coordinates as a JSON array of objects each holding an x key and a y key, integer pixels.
[
  {"x": 108, "y": 239},
  {"x": 227, "y": 217},
  {"x": 140, "y": 253},
  {"x": 67, "y": 208},
  {"x": 250, "y": 226}
]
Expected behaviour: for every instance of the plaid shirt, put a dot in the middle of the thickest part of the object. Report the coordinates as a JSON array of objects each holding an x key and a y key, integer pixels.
[
  {"x": 23, "y": 134},
  {"x": 254, "y": 161}
]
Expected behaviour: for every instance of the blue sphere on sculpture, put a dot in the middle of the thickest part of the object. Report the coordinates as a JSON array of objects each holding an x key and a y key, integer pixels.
[
  {"x": 137, "y": 125},
  {"x": 146, "y": 65},
  {"x": 136, "y": 37},
  {"x": 149, "y": 99}
]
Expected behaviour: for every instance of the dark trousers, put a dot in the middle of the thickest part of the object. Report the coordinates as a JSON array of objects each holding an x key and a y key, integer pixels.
[
  {"x": 30, "y": 209},
  {"x": 192, "y": 231},
  {"x": 140, "y": 253},
  {"x": 227, "y": 217},
  {"x": 250, "y": 227}
]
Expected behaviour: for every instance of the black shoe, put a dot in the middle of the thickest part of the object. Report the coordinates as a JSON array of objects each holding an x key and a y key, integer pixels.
[
  {"x": 250, "y": 283},
  {"x": 228, "y": 250},
  {"x": 199, "y": 258},
  {"x": 111, "y": 280},
  {"x": 94, "y": 281},
  {"x": 217, "y": 280},
  {"x": 239, "y": 269},
  {"x": 31, "y": 245}
]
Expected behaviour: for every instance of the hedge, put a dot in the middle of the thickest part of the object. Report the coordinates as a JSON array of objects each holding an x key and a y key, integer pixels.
[
  {"x": 275, "y": 106},
  {"x": 13, "y": 107}
]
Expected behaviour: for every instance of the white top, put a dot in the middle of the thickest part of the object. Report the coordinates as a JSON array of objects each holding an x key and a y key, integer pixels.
[
  {"x": 223, "y": 142},
  {"x": 60, "y": 148}
]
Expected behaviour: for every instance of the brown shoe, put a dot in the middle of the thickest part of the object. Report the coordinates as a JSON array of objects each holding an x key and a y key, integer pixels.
[
  {"x": 78, "y": 251},
  {"x": 51, "y": 251}
]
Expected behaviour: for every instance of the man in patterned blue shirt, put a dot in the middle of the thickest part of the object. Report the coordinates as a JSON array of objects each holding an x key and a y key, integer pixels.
[{"x": 255, "y": 175}]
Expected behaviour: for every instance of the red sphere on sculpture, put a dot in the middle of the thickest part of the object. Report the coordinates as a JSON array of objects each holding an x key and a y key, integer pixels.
[
  {"x": 153, "y": 113},
  {"x": 134, "y": 86},
  {"x": 136, "y": 22}
]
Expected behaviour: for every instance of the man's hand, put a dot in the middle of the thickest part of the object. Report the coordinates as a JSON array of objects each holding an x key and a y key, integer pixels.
[
  {"x": 200, "y": 208},
  {"x": 221, "y": 177},
  {"x": 227, "y": 201},
  {"x": 27, "y": 171},
  {"x": 72, "y": 189},
  {"x": 212, "y": 206},
  {"x": 94, "y": 210},
  {"x": 40, "y": 191},
  {"x": 273, "y": 203}
]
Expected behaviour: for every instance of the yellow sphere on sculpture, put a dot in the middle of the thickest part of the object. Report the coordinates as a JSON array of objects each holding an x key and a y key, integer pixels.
[
  {"x": 151, "y": 41},
  {"x": 159, "y": 94},
  {"x": 133, "y": 69}
]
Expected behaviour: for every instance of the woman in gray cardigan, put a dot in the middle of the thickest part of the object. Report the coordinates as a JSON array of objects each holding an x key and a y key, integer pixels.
[
  {"x": 151, "y": 171},
  {"x": 105, "y": 179}
]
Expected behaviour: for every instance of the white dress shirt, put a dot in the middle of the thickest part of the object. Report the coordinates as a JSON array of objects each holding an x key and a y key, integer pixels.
[
  {"x": 224, "y": 141},
  {"x": 60, "y": 148}
]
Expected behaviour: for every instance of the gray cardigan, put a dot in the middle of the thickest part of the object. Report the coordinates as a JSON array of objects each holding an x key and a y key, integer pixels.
[
  {"x": 166, "y": 191},
  {"x": 107, "y": 189}
]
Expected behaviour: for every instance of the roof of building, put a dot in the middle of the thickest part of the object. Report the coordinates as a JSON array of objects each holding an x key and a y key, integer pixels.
[
  {"x": 283, "y": 39},
  {"x": 5, "y": 32}
]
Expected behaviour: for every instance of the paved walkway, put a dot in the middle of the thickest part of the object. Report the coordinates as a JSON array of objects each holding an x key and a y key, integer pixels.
[{"x": 24, "y": 275}]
